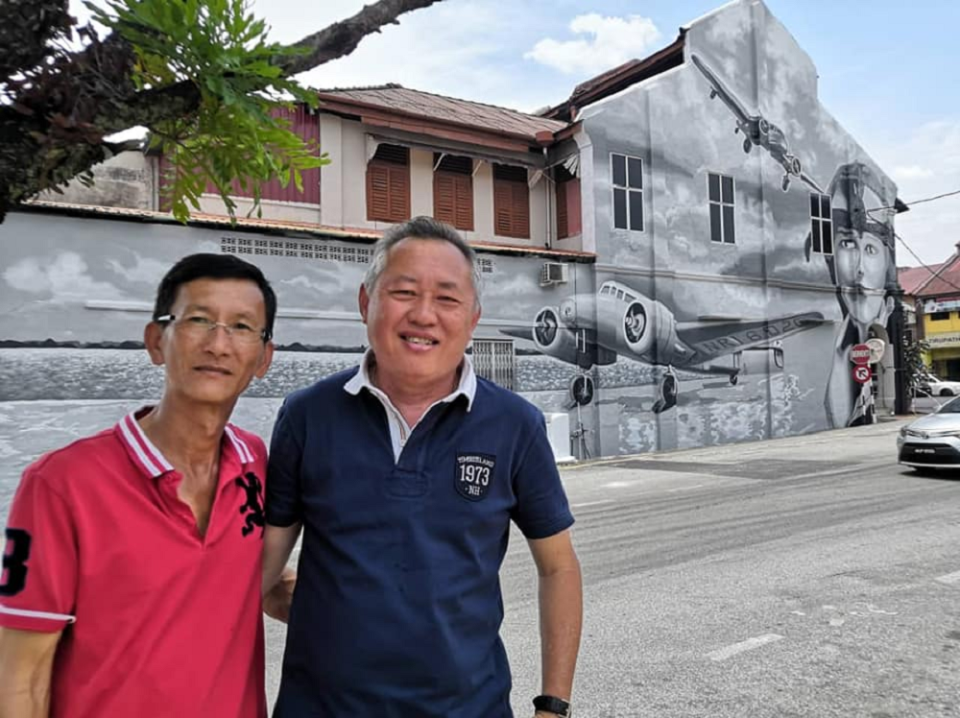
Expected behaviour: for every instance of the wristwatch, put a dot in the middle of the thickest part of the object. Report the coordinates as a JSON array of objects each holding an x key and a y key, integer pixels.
[{"x": 552, "y": 704}]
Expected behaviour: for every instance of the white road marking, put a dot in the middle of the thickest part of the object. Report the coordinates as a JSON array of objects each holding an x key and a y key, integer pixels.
[
  {"x": 747, "y": 645},
  {"x": 591, "y": 503},
  {"x": 949, "y": 579},
  {"x": 618, "y": 484}
]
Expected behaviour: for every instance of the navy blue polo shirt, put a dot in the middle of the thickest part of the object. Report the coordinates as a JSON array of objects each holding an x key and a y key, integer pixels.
[{"x": 397, "y": 608}]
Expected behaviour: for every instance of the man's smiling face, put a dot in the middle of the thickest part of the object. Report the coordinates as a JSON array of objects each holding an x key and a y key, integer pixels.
[{"x": 421, "y": 313}]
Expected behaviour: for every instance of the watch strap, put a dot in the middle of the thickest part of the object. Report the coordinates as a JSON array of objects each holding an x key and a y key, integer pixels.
[{"x": 552, "y": 704}]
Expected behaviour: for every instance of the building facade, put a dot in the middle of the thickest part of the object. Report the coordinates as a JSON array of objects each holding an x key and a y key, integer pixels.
[{"x": 681, "y": 254}]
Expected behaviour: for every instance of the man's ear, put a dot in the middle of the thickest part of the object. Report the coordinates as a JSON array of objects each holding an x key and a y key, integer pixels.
[
  {"x": 476, "y": 318},
  {"x": 265, "y": 360},
  {"x": 152, "y": 338},
  {"x": 364, "y": 301}
]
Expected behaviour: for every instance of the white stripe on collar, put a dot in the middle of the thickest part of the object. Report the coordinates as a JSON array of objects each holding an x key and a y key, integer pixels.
[
  {"x": 467, "y": 386},
  {"x": 151, "y": 458},
  {"x": 246, "y": 456}
]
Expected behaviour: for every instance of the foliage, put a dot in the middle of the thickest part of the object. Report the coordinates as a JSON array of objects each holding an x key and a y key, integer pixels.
[
  {"x": 235, "y": 131},
  {"x": 913, "y": 365}
]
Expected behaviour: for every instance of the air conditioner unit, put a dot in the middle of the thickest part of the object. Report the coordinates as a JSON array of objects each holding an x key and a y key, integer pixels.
[{"x": 554, "y": 273}]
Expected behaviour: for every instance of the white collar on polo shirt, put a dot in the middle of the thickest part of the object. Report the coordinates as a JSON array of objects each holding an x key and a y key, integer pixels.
[{"x": 467, "y": 386}]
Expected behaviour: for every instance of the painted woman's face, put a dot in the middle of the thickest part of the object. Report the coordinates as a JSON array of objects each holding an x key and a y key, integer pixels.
[{"x": 861, "y": 260}]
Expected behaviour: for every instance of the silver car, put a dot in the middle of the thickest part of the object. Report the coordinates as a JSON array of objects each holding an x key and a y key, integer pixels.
[{"x": 932, "y": 441}]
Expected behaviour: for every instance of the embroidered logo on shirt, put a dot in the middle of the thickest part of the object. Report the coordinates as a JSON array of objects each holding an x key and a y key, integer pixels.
[
  {"x": 254, "y": 503},
  {"x": 473, "y": 475}
]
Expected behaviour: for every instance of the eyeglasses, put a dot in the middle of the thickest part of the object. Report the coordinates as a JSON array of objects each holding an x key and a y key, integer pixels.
[{"x": 199, "y": 327}]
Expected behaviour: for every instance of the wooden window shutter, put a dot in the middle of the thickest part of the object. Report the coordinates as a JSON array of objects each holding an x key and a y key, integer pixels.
[
  {"x": 388, "y": 185},
  {"x": 574, "y": 209},
  {"x": 445, "y": 197},
  {"x": 463, "y": 192},
  {"x": 502, "y": 209},
  {"x": 521, "y": 210},
  {"x": 563, "y": 226}
]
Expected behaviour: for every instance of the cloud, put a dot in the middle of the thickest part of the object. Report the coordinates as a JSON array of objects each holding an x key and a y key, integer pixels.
[
  {"x": 911, "y": 172},
  {"x": 144, "y": 269},
  {"x": 924, "y": 163},
  {"x": 65, "y": 279},
  {"x": 611, "y": 42}
]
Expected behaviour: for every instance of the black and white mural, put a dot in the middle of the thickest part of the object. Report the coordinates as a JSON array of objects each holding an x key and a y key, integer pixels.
[{"x": 744, "y": 243}]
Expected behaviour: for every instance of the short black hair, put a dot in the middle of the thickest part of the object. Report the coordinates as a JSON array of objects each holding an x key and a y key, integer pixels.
[{"x": 213, "y": 266}]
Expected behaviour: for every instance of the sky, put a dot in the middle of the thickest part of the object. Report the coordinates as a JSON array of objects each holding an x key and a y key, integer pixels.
[{"x": 887, "y": 71}]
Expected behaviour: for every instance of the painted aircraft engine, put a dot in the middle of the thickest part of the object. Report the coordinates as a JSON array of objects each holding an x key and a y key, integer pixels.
[
  {"x": 649, "y": 330},
  {"x": 552, "y": 337}
]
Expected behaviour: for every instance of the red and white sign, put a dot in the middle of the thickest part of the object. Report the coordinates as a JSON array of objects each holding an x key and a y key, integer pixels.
[
  {"x": 862, "y": 374},
  {"x": 860, "y": 355}
]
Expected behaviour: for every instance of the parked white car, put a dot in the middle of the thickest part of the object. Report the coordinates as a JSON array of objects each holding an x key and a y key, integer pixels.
[{"x": 929, "y": 384}]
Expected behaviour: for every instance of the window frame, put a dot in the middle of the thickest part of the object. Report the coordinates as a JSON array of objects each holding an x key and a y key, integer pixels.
[
  {"x": 732, "y": 204},
  {"x": 627, "y": 189},
  {"x": 819, "y": 222},
  {"x": 391, "y": 170}
]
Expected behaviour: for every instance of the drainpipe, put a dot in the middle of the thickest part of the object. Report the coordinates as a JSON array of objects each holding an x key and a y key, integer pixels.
[{"x": 545, "y": 139}]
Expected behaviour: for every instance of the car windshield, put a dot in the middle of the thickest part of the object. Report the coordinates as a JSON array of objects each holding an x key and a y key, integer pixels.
[{"x": 951, "y": 407}]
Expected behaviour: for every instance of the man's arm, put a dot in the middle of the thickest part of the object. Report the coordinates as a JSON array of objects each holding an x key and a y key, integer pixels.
[
  {"x": 26, "y": 667},
  {"x": 278, "y": 580},
  {"x": 561, "y": 611}
]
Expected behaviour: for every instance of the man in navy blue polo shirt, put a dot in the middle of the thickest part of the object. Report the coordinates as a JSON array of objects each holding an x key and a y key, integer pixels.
[{"x": 404, "y": 475}]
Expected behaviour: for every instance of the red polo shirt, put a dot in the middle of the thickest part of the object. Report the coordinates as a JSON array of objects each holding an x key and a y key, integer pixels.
[{"x": 157, "y": 620}]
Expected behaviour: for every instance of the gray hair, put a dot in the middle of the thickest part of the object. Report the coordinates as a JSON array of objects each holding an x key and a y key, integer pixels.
[{"x": 420, "y": 228}]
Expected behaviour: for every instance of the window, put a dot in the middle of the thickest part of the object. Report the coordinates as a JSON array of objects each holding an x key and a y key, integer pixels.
[
  {"x": 568, "y": 203},
  {"x": 388, "y": 184},
  {"x": 511, "y": 202},
  {"x": 494, "y": 359},
  {"x": 821, "y": 223},
  {"x": 453, "y": 191},
  {"x": 939, "y": 316},
  {"x": 721, "y": 193},
  {"x": 627, "y": 178}
]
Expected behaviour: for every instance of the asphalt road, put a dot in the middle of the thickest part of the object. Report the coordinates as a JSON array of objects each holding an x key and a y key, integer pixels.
[{"x": 808, "y": 576}]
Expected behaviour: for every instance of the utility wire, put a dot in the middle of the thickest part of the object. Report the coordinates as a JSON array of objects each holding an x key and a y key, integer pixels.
[
  {"x": 917, "y": 201},
  {"x": 936, "y": 274}
]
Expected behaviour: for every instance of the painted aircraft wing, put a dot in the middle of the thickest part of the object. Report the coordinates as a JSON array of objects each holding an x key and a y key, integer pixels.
[
  {"x": 712, "y": 340},
  {"x": 729, "y": 99},
  {"x": 811, "y": 183},
  {"x": 519, "y": 332}
]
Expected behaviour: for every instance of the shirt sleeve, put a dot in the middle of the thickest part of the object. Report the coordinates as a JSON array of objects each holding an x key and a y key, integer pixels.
[
  {"x": 542, "y": 509},
  {"x": 39, "y": 579},
  {"x": 284, "y": 506}
]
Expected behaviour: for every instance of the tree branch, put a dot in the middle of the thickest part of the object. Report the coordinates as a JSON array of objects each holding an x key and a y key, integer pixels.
[
  {"x": 59, "y": 114},
  {"x": 343, "y": 37}
]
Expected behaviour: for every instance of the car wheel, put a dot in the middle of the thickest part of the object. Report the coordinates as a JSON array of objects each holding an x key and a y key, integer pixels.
[{"x": 946, "y": 392}]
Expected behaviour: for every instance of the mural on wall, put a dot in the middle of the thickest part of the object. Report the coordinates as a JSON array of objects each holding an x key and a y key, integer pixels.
[
  {"x": 857, "y": 244},
  {"x": 594, "y": 329}
]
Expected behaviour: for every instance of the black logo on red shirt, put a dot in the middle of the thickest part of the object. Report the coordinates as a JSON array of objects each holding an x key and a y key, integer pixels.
[
  {"x": 473, "y": 475},
  {"x": 254, "y": 503}
]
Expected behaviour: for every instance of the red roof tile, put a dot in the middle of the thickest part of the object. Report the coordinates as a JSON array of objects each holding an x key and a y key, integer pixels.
[
  {"x": 448, "y": 109},
  {"x": 912, "y": 278}
]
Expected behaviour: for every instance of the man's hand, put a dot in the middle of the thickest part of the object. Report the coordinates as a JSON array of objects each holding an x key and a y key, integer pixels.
[{"x": 277, "y": 601}]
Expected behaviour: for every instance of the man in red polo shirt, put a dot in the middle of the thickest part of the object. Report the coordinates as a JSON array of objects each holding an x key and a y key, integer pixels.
[{"x": 131, "y": 575}]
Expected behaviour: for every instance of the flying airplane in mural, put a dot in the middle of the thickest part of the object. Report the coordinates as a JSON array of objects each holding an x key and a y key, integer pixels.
[
  {"x": 757, "y": 130},
  {"x": 594, "y": 329}
]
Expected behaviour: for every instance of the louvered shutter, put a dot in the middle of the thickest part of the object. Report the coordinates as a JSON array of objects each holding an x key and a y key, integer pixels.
[
  {"x": 463, "y": 190},
  {"x": 502, "y": 208},
  {"x": 521, "y": 210},
  {"x": 444, "y": 197},
  {"x": 399, "y": 194},
  {"x": 378, "y": 192},
  {"x": 563, "y": 227}
]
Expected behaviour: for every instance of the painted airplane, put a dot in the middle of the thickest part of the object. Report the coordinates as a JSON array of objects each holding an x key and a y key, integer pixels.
[
  {"x": 593, "y": 329},
  {"x": 757, "y": 130}
]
